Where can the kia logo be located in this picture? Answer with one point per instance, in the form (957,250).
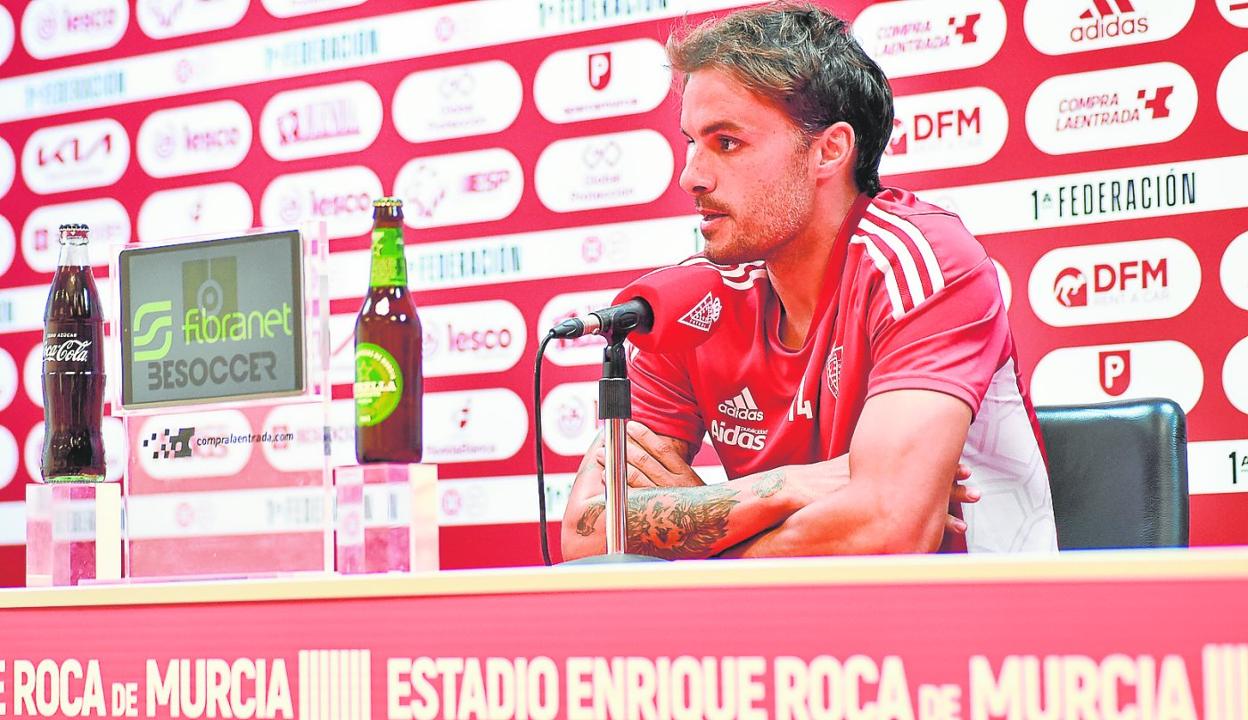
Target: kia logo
(74,149)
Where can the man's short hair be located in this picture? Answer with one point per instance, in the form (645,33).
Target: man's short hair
(803,58)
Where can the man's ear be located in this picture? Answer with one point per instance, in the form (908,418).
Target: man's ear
(835,150)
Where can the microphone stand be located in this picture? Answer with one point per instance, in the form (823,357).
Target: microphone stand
(615,407)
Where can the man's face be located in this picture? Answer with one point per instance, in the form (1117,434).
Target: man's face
(748,169)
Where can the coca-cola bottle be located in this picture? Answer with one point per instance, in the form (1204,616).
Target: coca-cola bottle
(389,385)
(73,367)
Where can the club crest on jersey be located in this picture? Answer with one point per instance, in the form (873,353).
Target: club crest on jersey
(703,315)
(832,371)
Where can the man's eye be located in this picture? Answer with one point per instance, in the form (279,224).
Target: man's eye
(728,144)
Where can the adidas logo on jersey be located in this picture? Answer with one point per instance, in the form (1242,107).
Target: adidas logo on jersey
(742,437)
(742,407)
(703,315)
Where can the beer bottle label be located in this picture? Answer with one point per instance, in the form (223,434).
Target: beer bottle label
(378,384)
(72,346)
(389,266)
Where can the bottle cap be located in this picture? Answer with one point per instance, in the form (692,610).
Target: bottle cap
(388,202)
(74,231)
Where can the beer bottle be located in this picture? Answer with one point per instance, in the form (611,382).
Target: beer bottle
(389,384)
(73,367)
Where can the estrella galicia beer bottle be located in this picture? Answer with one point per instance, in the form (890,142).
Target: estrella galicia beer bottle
(73,367)
(389,384)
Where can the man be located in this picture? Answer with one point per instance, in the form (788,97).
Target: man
(863,350)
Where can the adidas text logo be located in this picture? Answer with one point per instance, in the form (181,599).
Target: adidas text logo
(742,407)
(703,315)
(1108,19)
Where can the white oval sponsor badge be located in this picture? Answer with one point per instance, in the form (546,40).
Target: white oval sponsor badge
(599,81)
(8,245)
(1126,371)
(917,37)
(1232,97)
(342,197)
(1235,376)
(458,101)
(8,167)
(1122,107)
(291,8)
(196,210)
(81,155)
(1059,27)
(945,129)
(55,28)
(7,36)
(472,338)
(1233,271)
(9,379)
(160,19)
(194,445)
(473,425)
(469,187)
(585,350)
(107,218)
(9,457)
(320,121)
(1114,282)
(194,139)
(1235,12)
(570,418)
(613,170)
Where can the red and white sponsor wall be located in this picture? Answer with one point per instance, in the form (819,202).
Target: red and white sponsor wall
(1097,147)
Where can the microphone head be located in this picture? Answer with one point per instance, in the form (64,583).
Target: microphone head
(687,300)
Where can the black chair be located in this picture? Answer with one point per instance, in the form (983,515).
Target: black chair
(1118,472)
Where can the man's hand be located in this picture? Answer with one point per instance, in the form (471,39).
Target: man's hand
(654,460)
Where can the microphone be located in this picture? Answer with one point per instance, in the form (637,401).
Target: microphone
(671,309)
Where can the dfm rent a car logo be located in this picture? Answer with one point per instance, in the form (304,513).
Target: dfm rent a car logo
(212,317)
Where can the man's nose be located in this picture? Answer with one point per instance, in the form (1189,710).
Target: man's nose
(695,178)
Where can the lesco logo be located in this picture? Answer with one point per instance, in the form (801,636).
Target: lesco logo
(472,338)
(291,8)
(1099,373)
(54,28)
(188,445)
(194,139)
(1234,271)
(1235,376)
(197,210)
(1123,107)
(1007,288)
(8,167)
(474,425)
(1114,282)
(598,171)
(318,121)
(570,417)
(947,129)
(1058,27)
(8,457)
(601,81)
(77,156)
(107,218)
(8,245)
(469,187)
(1232,100)
(916,37)
(161,19)
(459,101)
(342,197)
(1235,12)
(6,34)
(585,350)
(8,379)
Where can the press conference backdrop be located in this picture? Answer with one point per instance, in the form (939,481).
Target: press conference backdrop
(1097,147)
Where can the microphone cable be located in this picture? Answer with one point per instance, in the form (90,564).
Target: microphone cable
(537,423)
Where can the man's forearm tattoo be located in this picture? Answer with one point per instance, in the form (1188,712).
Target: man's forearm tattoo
(672,523)
(768,483)
(589,518)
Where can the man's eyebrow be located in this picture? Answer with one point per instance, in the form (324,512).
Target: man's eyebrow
(720,126)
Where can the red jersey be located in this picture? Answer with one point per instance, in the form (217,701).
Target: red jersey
(911,301)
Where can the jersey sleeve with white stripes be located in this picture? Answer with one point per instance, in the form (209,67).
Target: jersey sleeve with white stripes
(935,316)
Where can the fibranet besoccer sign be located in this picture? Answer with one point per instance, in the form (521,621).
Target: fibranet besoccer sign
(213,320)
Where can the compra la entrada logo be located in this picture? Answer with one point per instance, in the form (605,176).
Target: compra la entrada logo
(211,316)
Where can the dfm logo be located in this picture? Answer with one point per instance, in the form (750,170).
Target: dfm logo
(1114,371)
(1071,286)
(168,445)
(599,70)
(952,123)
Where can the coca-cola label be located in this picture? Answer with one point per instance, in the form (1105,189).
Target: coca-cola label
(72,347)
